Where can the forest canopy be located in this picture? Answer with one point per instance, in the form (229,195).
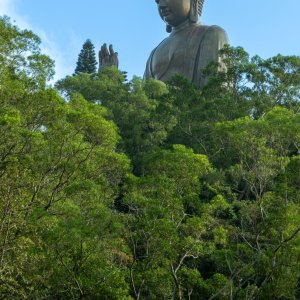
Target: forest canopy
(117,189)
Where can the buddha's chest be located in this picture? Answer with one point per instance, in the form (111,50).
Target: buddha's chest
(170,58)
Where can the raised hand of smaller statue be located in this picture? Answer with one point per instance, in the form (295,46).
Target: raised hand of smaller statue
(107,57)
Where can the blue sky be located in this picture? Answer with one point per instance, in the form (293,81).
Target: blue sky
(263,27)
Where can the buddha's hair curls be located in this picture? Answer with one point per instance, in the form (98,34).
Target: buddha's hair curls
(196,10)
(200,6)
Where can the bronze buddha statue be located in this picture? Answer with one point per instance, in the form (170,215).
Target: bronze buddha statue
(189,48)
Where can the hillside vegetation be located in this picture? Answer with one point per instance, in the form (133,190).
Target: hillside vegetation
(122,190)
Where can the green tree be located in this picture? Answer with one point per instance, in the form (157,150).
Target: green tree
(86,62)
(259,158)
(133,107)
(60,237)
(165,239)
(106,87)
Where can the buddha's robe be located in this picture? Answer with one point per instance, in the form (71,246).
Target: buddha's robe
(187,51)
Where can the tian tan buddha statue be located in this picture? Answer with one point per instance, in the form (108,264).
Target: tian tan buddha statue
(189,48)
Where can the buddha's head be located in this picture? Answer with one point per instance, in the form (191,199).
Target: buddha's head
(175,12)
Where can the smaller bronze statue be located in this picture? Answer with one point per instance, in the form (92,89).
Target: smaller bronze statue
(189,48)
(107,57)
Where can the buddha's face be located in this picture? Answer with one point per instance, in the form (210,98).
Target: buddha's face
(174,12)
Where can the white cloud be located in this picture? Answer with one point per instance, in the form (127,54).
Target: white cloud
(6,6)
(48,45)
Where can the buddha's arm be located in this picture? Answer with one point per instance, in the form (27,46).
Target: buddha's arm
(148,72)
(214,40)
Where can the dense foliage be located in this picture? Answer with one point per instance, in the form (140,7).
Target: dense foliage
(142,190)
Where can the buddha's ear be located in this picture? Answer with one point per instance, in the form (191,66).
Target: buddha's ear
(168,28)
(194,16)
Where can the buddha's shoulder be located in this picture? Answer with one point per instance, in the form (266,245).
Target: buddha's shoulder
(211,31)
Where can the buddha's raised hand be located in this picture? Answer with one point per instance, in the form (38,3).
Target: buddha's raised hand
(107,57)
